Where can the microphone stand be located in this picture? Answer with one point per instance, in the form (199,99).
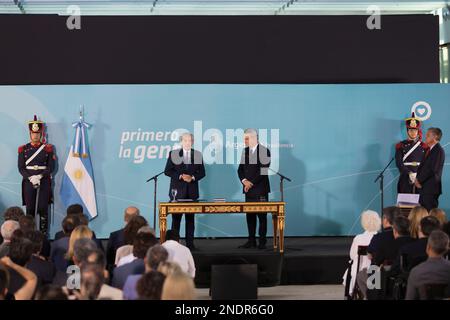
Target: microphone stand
(381,178)
(282,178)
(155,179)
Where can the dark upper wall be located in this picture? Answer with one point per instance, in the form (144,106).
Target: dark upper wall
(39,49)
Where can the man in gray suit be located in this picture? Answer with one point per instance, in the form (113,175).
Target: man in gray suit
(436,270)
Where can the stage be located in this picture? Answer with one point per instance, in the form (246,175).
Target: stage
(306,260)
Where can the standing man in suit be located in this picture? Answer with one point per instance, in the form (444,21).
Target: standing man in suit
(429,173)
(185,169)
(253,173)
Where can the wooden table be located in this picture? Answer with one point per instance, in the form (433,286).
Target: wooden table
(276,208)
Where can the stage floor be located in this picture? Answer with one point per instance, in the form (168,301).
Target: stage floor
(306,260)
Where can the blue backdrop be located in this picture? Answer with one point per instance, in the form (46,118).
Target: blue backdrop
(333,140)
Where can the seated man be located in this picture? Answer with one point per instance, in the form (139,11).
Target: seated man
(179,253)
(7,229)
(435,270)
(386,236)
(416,252)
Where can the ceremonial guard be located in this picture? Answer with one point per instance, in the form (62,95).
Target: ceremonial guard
(408,155)
(36,163)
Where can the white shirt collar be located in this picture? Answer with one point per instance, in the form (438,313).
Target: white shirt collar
(254,148)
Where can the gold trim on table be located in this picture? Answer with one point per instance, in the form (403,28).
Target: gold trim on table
(273,207)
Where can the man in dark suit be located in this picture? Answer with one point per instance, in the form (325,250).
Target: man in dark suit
(253,173)
(416,252)
(429,173)
(116,238)
(185,169)
(386,236)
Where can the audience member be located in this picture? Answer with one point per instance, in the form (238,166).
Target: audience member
(178,286)
(371,223)
(26,291)
(440,215)
(168,268)
(149,286)
(13,213)
(179,253)
(59,247)
(74,211)
(7,229)
(415,216)
(129,234)
(435,270)
(142,242)
(107,292)
(80,232)
(116,238)
(415,252)
(20,253)
(44,270)
(156,255)
(130,257)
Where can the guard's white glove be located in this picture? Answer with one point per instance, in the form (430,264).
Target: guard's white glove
(412,177)
(35,180)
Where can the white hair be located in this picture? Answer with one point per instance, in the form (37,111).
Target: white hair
(370,221)
(187,134)
(8,228)
(251,131)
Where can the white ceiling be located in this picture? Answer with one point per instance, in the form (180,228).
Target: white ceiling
(220,7)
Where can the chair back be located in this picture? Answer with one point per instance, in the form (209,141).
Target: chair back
(434,291)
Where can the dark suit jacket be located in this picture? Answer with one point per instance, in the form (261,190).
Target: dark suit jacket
(115,241)
(414,252)
(175,167)
(58,252)
(121,273)
(254,168)
(388,251)
(430,171)
(44,270)
(385,237)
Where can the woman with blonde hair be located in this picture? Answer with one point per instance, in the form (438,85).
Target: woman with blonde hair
(169,268)
(440,215)
(371,223)
(178,286)
(414,217)
(79,232)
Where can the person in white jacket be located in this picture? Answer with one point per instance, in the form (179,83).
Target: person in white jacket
(179,253)
(371,223)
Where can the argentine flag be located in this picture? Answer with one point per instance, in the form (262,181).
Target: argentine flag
(78,181)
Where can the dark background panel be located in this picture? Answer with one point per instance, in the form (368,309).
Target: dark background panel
(39,49)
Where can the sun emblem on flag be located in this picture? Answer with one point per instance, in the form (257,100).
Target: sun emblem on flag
(78,174)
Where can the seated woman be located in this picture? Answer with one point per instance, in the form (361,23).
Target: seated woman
(371,223)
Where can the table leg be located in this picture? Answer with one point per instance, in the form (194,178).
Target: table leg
(275,231)
(281,226)
(162,224)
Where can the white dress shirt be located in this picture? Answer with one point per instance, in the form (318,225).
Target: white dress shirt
(126,259)
(181,255)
